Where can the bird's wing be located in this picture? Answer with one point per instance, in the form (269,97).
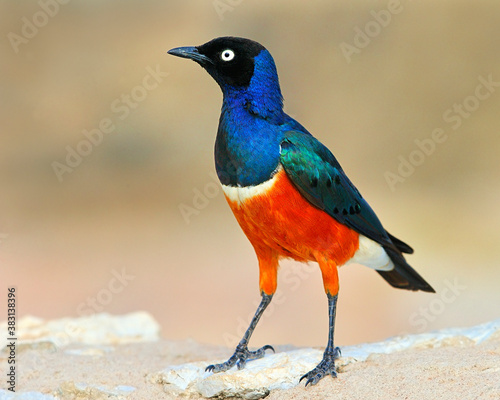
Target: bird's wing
(320,179)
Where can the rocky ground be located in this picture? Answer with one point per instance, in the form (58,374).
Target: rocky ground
(124,357)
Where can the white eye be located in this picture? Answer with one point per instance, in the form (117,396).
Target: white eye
(227,55)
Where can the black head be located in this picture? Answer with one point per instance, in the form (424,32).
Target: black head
(230,60)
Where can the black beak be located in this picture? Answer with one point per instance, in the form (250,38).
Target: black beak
(192,53)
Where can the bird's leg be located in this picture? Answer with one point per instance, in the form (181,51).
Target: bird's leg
(327,365)
(242,354)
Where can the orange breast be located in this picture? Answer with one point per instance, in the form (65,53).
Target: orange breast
(282,219)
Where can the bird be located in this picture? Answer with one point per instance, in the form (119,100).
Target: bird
(288,192)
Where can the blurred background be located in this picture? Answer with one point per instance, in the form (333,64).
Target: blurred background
(108,201)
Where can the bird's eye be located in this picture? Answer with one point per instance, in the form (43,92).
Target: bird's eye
(227,55)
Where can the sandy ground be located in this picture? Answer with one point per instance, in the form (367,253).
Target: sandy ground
(456,369)
(447,373)
(62,243)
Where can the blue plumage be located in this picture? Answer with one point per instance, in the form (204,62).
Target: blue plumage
(246,152)
(252,126)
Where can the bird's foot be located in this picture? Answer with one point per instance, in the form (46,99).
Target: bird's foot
(325,367)
(239,358)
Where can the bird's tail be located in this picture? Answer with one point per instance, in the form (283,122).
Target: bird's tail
(403,276)
(401,246)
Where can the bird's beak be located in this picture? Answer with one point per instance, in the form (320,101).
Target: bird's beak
(192,53)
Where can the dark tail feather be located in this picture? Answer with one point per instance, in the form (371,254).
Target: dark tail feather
(403,276)
(401,246)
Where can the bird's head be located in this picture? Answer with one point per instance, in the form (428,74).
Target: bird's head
(240,66)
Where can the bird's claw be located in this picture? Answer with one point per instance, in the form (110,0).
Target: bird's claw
(239,358)
(324,368)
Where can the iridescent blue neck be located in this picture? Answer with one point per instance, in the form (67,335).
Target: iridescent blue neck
(262,97)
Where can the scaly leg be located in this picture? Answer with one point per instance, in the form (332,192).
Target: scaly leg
(327,365)
(242,354)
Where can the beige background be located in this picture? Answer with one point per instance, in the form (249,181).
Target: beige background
(62,242)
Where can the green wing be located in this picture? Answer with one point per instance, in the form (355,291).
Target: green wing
(320,179)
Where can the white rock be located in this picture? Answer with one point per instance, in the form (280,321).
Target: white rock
(6,395)
(283,370)
(95,351)
(103,329)
(475,334)
(180,376)
(83,390)
(275,371)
